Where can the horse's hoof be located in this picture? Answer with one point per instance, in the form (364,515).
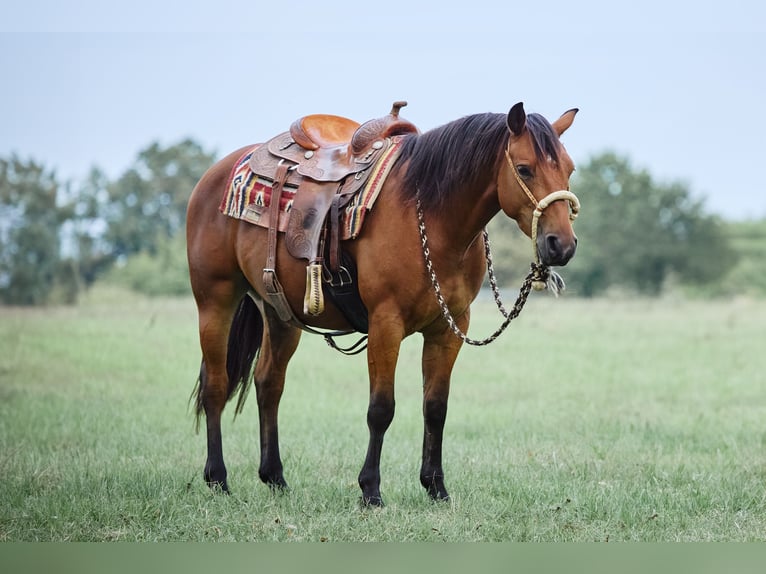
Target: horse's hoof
(374,501)
(439,495)
(278,487)
(218,486)
(273,478)
(437,491)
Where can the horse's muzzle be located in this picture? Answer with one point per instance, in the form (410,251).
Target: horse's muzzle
(555,252)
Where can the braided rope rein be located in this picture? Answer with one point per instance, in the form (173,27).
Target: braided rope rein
(538,272)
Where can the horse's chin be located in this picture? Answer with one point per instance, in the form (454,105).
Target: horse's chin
(557,256)
(555,261)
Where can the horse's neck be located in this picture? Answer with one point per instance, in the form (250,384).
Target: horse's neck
(464,218)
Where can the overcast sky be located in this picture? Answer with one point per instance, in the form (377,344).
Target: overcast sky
(677,87)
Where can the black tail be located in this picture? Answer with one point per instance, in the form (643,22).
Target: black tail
(245,338)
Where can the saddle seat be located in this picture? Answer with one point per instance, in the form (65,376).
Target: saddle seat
(322,131)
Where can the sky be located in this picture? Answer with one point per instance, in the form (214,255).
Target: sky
(677,87)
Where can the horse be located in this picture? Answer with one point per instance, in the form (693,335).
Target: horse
(455,178)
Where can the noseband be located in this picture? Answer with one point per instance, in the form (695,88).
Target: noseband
(539,282)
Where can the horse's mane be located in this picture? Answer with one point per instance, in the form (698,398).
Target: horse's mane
(462,153)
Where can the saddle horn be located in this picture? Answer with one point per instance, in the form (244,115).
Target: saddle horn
(396,107)
(381,128)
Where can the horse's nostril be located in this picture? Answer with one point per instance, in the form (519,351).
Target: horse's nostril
(554,246)
(556,252)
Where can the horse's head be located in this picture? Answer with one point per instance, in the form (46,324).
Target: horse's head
(534,183)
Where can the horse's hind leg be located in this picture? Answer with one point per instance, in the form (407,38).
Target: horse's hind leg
(439,355)
(279,343)
(216,310)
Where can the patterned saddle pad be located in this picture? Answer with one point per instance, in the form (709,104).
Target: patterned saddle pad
(247,196)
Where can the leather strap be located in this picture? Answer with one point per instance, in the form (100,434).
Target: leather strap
(334,231)
(276,196)
(273,288)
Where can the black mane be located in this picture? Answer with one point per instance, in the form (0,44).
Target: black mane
(464,153)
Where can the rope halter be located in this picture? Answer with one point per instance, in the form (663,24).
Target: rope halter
(543,274)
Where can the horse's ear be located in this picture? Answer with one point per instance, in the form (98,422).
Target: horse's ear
(517,119)
(562,124)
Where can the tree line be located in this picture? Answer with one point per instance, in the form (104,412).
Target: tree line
(59,238)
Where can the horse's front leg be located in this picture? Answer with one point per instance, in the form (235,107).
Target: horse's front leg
(382,354)
(439,354)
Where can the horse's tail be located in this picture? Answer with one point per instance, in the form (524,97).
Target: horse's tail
(245,336)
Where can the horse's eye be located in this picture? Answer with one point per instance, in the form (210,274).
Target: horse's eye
(524,171)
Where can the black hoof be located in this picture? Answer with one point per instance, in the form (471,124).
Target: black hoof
(374,501)
(439,495)
(278,487)
(435,488)
(272,476)
(218,486)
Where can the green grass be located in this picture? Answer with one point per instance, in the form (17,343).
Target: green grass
(587,421)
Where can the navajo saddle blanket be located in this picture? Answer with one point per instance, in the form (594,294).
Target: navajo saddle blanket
(248,195)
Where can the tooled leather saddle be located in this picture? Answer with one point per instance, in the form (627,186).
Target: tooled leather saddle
(328,159)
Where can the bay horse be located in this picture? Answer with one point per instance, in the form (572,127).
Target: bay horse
(459,176)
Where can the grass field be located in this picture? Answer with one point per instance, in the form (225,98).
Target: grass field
(587,421)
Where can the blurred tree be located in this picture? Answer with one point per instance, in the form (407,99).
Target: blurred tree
(83,232)
(748,276)
(147,204)
(637,234)
(164,274)
(30,222)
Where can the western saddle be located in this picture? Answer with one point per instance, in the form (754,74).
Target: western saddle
(328,158)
